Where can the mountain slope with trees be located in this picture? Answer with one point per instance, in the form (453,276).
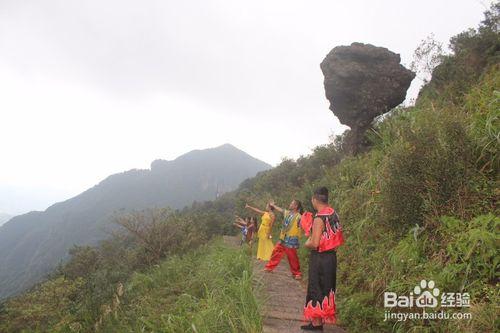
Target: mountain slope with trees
(33,244)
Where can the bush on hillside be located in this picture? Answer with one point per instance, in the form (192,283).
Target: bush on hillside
(473,51)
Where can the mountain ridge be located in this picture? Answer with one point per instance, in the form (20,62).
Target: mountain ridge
(34,243)
(4,218)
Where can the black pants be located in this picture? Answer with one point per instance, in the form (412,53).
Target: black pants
(322,276)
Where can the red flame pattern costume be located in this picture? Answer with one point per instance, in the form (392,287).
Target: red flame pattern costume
(320,299)
(326,310)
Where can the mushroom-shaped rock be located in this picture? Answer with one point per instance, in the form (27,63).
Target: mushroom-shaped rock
(363,81)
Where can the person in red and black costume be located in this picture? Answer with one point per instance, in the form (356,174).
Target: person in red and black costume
(325,237)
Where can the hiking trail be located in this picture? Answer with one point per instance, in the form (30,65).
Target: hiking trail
(283,297)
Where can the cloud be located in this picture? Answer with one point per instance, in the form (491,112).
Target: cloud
(94,87)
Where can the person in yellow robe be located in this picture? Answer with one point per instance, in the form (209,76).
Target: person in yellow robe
(265,245)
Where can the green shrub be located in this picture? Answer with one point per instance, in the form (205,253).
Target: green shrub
(483,104)
(426,167)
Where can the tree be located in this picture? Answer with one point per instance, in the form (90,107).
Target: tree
(427,55)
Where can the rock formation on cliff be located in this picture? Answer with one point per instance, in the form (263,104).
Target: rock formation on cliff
(363,81)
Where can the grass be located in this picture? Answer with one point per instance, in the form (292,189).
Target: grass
(207,290)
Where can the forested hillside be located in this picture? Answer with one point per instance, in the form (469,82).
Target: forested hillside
(418,203)
(33,244)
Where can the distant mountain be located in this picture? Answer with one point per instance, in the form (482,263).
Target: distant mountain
(4,218)
(31,245)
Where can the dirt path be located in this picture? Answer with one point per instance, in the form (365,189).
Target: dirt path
(284,299)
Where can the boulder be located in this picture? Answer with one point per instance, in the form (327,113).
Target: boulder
(363,81)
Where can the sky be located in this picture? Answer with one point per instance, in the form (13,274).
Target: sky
(91,88)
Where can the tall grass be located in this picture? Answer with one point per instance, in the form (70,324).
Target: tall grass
(207,290)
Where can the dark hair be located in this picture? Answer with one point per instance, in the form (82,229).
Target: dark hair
(321,194)
(299,206)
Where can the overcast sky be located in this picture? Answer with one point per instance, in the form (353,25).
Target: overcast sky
(90,88)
